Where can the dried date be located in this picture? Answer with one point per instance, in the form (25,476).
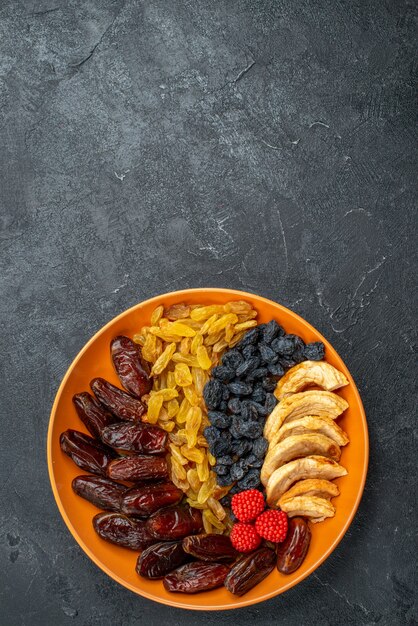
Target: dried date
(291,553)
(175,522)
(161,559)
(104,493)
(131,368)
(122,530)
(135,437)
(120,403)
(86,452)
(143,501)
(92,414)
(210,547)
(250,570)
(138,468)
(196,577)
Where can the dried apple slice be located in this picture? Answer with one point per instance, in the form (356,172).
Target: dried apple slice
(311,487)
(312,424)
(316,509)
(321,403)
(295,447)
(308,467)
(317,373)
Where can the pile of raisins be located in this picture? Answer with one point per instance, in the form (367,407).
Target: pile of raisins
(239,397)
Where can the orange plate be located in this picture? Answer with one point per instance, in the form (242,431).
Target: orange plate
(119,563)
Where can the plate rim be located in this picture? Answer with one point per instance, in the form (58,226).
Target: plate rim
(178,603)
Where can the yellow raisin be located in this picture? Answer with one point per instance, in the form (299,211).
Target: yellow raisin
(245,325)
(177,311)
(156,315)
(172,408)
(168,394)
(163,360)
(176,454)
(204,312)
(196,342)
(182,375)
(185,345)
(203,358)
(154,406)
(168,426)
(222,322)
(192,454)
(191,395)
(206,326)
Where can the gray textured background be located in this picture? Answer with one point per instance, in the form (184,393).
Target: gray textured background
(153,145)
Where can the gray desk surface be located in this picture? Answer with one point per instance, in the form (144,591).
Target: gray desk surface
(155,145)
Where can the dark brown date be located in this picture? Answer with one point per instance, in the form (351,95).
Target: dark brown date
(131,368)
(122,530)
(291,553)
(135,436)
(143,501)
(86,452)
(210,547)
(196,577)
(138,468)
(92,414)
(104,493)
(250,570)
(160,559)
(175,522)
(118,402)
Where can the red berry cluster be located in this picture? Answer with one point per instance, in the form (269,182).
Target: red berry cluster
(248,506)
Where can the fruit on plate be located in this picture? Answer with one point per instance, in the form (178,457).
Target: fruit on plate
(135,437)
(104,493)
(196,577)
(319,373)
(247,505)
(308,467)
(244,537)
(250,570)
(144,501)
(297,446)
(314,508)
(131,368)
(86,452)
(120,403)
(272,525)
(311,487)
(301,404)
(291,553)
(122,530)
(210,547)
(175,522)
(160,559)
(137,468)
(93,415)
(313,424)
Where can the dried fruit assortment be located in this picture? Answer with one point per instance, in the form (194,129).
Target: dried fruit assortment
(214,455)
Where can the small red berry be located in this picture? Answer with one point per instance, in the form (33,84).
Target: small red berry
(246,505)
(244,537)
(272,525)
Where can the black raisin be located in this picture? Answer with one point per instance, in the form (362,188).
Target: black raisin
(212,434)
(270,402)
(213,393)
(241,447)
(221,470)
(237,472)
(238,388)
(226,393)
(248,366)
(299,344)
(220,447)
(248,411)
(224,481)
(252,429)
(250,481)
(261,410)
(258,394)
(271,331)
(267,354)
(226,501)
(250,337)
(235,433)
(225,460)
(253,461)
(249,351)
(260,372)
(259,447)
(314,351)
(277,369)
(223,373)
(234,405)
(218,419)
(284,346)
(298,356)
(269,383)
(286,362)
(234,489)
(232,359)
(223,406)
